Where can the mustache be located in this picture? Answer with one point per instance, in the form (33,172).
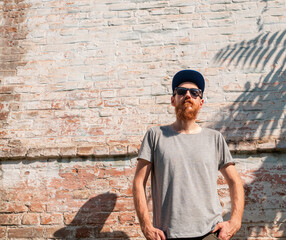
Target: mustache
(188,101)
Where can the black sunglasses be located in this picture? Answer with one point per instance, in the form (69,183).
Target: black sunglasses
(195,92)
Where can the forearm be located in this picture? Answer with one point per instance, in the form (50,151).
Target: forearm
(237,200)
(141,207)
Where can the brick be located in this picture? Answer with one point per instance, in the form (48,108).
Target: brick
(95,103)
(69,217)
(80,194)
(51,219)
(58,232)
(3,232)
(106,112)
(99,185)
(4,115)
(30,219)
(85,151)
(133,232)
(187,9)
(125,7)
(266,145)
(124,204)
(101,150)
(10,219)
(112,103)
(68,151)
(12,207)
(50,152)
(163,99)
(246,146)
(150,5)
(133,149)
(6,90)
(108,93)
(37,207)
(118,149)
(127,218)
(26,232)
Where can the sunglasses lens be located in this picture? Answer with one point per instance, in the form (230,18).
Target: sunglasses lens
(195,92)
(182,91)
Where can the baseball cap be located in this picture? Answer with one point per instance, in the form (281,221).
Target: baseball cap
(188,75)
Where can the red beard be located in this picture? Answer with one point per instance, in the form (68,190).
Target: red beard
(184,113)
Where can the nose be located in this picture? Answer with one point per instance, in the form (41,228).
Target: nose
(188,94)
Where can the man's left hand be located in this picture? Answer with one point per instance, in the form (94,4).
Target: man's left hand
(227,229)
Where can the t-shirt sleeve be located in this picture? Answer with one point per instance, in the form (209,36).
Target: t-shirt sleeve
(146,151)
(225,157)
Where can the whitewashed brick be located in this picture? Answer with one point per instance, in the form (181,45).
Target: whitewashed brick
(117,58)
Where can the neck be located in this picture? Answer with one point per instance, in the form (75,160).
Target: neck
(188,126)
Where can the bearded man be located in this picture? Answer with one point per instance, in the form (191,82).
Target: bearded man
(184,160)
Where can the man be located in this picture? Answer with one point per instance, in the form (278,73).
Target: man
(184,160)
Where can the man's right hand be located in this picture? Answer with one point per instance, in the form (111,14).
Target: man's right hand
(152,233)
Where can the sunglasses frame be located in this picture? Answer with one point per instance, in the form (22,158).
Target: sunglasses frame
(190,90)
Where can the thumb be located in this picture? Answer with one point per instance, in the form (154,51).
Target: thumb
(217,227)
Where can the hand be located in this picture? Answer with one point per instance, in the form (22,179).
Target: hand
(152,233)
(227,229)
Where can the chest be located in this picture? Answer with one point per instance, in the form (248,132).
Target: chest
(186,153)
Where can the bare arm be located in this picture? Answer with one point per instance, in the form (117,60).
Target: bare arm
(229,228)
(236,192)
(139,185)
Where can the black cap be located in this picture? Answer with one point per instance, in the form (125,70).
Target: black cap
(188,76)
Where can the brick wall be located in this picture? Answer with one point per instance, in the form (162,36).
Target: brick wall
(81,81)
(89,77)
(91,198)
(68,199)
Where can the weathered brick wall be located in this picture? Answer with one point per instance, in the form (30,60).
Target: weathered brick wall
(91,198)
(81,81)
(89,77)
(67,199)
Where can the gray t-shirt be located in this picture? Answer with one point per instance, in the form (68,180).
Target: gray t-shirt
(184,179)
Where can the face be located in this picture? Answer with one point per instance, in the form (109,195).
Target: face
(187,107)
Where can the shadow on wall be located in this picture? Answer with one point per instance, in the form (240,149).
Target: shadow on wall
(259,113)
(90,220)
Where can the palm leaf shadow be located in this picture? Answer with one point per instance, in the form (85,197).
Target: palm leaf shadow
(258,114)
(90,220)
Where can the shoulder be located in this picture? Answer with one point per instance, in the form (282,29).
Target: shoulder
(158,129)
(157,132)
(212,132)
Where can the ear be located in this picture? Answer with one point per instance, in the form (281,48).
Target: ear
(202,103)
(173,101)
